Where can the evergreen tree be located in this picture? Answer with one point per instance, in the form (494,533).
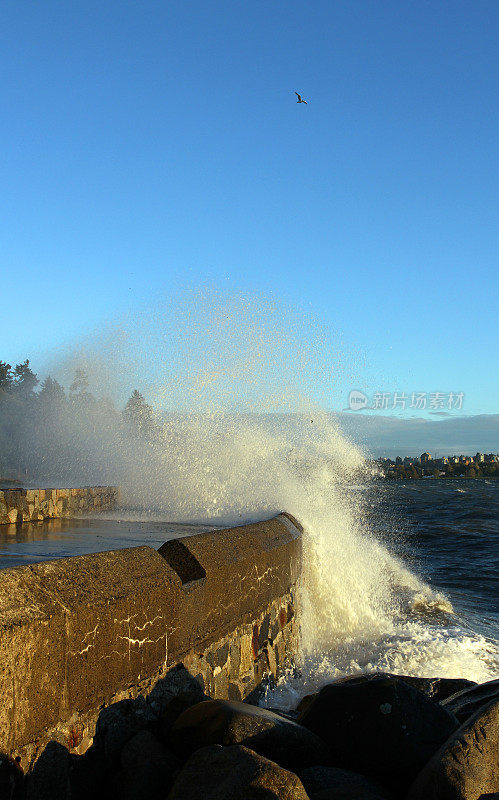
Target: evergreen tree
(78,394)
(25,379)
(51,392)
(138,414)
(5,376)
(80,382)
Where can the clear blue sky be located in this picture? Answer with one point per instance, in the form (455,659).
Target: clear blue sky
(148,145)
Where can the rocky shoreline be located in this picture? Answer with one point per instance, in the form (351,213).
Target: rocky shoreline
(370,737)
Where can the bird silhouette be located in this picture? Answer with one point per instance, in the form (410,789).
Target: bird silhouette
(300,100)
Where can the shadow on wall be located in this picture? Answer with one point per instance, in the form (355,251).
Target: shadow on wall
(11,778)
(131,755)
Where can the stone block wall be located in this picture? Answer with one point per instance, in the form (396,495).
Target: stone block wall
(234,666)
(35,505)
(79,634)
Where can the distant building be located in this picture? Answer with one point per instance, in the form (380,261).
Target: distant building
(480,458)
(425,458)
(398,460)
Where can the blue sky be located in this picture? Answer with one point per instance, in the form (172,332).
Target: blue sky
(156,145)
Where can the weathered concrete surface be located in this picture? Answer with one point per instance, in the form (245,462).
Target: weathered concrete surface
(230,573)
(79,633)
(35,505)
(76,630)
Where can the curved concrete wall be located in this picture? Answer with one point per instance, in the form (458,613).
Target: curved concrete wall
(78,633)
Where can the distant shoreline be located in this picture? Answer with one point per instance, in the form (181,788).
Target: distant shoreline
(392,477)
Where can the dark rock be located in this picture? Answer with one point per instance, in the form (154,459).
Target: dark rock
(339,784)
(89,775)
(210,659)
(466,767)
(144,748)
(221,656)
(235,692)
(147,770)
(177,705)
(178,681)
(289,714)
(234,773)
(11,778)
(379,726)
(263,634)
(145,783)
(261,668)
(117,724)
(435,688)
(274,629)
(229,723)
(49,779)
(305,702)
(465,703)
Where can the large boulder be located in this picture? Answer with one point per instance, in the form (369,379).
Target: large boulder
(117,724)
(379,726)
(332,783)
(89,777)
(148,769)
(228,723)
(234,773)
(466,767)
(436,688)
(465,703)
(174,693)
(174,708)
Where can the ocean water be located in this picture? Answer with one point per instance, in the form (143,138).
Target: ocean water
(451,538)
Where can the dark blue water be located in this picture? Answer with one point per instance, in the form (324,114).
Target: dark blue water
(448,532)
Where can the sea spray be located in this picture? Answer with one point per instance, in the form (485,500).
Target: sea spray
(238,433)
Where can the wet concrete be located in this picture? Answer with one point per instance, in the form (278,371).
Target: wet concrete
(30,543)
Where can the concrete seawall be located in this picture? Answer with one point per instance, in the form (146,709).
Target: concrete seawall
(36,505)
(78,634)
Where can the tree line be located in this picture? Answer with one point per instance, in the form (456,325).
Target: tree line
(48,430)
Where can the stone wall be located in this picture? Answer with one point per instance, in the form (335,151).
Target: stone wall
(35,505)
(79,634)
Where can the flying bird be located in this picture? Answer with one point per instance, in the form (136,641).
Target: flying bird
(300,100)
